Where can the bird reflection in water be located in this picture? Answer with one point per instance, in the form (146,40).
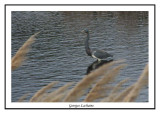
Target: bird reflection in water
(96,64)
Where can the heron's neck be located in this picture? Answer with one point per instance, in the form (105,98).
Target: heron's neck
(88,50)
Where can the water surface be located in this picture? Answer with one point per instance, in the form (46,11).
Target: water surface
(59,54)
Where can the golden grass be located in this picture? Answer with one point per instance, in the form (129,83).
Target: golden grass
(113,94)
(143,80)
(98,83)
(39,94)
(85,83)
(131,92)
(108,77)
(58,94)
(19,57)
(21,99)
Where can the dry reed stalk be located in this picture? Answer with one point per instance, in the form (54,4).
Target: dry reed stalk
(59,92)
(118,86)
(143,80)
(99,93)
(109,98)
(41,92)
(80,88)
(108,77)
(122,95)
(41,97)
(21,99)
(113,94)
(19,57)
(59,97)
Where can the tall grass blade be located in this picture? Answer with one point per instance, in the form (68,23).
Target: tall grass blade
(114,92)
(41,92)
(59,92)
(143,80)
(108,77)
(19,57)
(85,83)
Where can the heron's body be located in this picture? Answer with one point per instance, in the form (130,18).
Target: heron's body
(102,55)
(98,54)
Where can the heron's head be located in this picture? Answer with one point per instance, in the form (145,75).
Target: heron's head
(85,30)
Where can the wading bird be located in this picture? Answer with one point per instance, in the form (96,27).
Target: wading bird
(100,55)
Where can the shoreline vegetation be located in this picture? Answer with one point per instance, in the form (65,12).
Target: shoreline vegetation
(96,86)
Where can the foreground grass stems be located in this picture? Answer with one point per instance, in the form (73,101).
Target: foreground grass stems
(86,82)
(143,80)
(57,95)
(98,82)
(118,97)
(39,94)
(114,92)
(108,77)
(19,57)
(130,93)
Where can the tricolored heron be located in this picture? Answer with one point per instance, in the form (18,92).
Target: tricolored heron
(98,54)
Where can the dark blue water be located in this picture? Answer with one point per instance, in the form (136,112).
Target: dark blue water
(59,54)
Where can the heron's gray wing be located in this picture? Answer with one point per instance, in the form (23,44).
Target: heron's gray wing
(100,54)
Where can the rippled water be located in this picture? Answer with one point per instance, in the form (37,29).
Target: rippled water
(59,54)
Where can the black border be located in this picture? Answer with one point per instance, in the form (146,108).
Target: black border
(5,5)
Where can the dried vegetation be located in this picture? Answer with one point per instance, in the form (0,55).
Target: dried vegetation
(96,86)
